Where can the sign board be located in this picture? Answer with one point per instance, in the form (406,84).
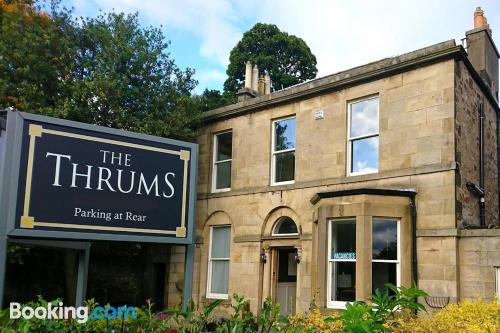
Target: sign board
(344,255)
(69,180)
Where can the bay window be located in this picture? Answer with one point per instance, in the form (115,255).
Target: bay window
(218,262)
(283,151)
(385,253)
(363,135)
(341,286)
(342,259)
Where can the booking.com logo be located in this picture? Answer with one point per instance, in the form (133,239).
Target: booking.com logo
(79,313)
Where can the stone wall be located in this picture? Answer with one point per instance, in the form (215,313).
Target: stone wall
(468,98)
(438,265)
(479,255)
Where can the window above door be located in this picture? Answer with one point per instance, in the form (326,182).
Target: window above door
(285,226)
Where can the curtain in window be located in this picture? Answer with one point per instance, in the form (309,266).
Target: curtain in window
(219,260)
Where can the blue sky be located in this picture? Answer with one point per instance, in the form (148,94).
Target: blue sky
(342,34)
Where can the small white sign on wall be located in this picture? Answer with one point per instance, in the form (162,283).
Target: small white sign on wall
(319,115)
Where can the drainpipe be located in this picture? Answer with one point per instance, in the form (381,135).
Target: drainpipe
(482,220)
(413,208)
(498,163)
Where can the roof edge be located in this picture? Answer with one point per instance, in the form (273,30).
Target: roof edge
(394,192)
(356,75)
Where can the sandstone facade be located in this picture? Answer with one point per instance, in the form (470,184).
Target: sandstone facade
(428,145)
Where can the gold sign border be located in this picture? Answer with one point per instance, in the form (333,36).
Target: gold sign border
(29,222)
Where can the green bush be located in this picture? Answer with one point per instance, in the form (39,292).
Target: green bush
(468,316)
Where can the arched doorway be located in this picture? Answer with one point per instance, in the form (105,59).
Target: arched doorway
(281,266)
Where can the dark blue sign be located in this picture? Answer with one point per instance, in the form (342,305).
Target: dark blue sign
(87,182)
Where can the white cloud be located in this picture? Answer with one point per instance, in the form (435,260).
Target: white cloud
(210,75)
(210,21)
(208,78)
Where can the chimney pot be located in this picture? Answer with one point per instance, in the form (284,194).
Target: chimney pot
(255,78)
(248,75)
(479,18)
(267,83)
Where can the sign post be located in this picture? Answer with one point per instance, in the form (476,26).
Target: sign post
(64,180)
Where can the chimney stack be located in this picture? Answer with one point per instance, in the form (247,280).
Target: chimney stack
(482,52)
(255,85)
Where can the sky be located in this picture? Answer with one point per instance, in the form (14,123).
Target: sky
(341,34)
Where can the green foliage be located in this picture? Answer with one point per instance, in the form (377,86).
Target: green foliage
(126,79)
(359,318)
(16,253)
(192,320)
(106,70)
(213,99)
(243,320)
(36,57)
(287,58)
(385,305)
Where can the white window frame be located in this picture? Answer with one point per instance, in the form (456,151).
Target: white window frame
(497,282)
(274,153)
(215,162)
(359,137)
(331,304)
(278,223)
(211,295)
(398,249)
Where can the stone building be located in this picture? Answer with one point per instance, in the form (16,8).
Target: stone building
(325,191)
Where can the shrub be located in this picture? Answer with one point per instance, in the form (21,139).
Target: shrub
(311,322)
(465,317)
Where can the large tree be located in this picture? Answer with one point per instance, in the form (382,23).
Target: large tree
(107,70)
(213,99)
(287,58)
(36,57)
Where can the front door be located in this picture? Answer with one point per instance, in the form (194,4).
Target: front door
(286,282)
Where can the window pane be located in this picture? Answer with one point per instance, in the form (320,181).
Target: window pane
(286,226)
(221,238)
(285,167)
(284,134)
(220,276)
(383,273)
(365,155)
(385,239)
(223,175)
(364,117)
(224,146)
(343,281)
(343,239)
